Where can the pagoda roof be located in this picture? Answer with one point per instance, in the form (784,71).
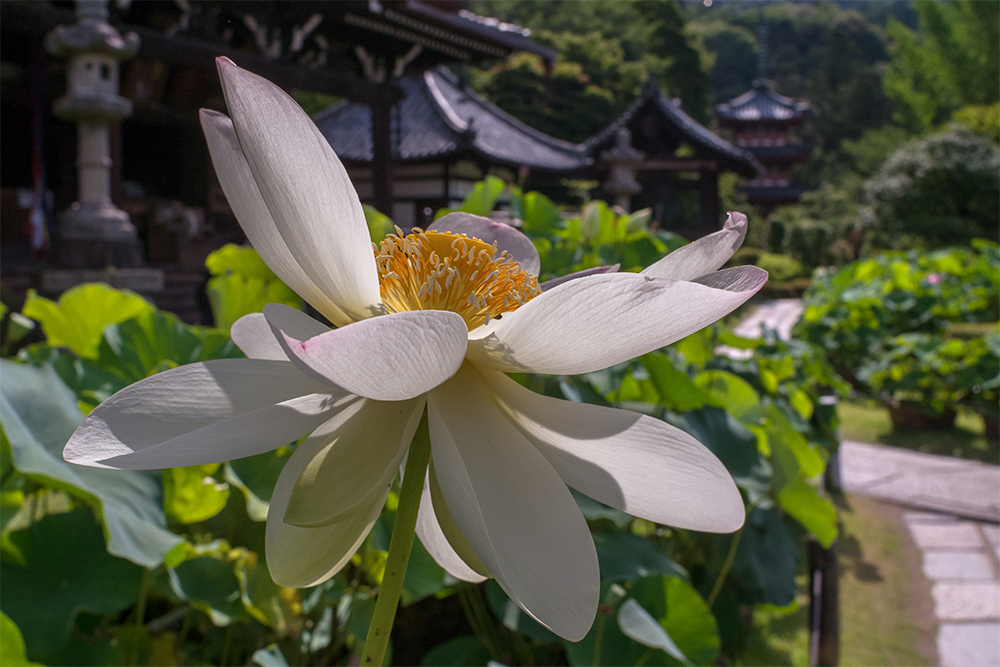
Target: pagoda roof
(676,122)
(761,103)
(439,118)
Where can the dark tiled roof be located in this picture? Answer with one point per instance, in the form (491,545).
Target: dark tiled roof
(438,118)
(761,103)
(730,157)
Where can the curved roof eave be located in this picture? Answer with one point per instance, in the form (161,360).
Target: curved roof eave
(731,157)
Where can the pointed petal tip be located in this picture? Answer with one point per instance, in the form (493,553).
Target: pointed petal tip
(735,219)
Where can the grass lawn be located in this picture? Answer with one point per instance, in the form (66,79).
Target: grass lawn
(886,611)
(867,421)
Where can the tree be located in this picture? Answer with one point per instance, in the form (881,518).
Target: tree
(590,85)
(606,49)
(942,188)
(953,60)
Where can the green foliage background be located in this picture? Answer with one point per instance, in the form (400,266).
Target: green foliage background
(158,568)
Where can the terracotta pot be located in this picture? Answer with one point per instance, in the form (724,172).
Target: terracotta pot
(992,423)
(911,417)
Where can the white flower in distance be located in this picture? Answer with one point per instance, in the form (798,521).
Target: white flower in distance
(432,320)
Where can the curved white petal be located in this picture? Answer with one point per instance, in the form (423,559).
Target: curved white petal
(438,545)
(597,270)
(349,457)
(392,357)
(513,508)
(306,189)
(248,205)
(629,461)
(520,247)
(703,255)
(595,322)
(203,413)
(300,557)
(252,334)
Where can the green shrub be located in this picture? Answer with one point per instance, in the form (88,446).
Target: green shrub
(942,189)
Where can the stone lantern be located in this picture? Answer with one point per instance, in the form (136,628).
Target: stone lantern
(93,233)
(622,160)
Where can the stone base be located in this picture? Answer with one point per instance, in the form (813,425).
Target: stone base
(147,282)
(95,236)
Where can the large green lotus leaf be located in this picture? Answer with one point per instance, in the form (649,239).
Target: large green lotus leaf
(539,215)
(137,646)
(39,414)
(625,557)
(483,197)
(191,494)
(792,451)
(677,391)
(733,394)
(511,615)
(270,656)
(91,383)
(66,570)
(605,644)
(683,614)
(276,607)
(593,510)
(78,319)
(242,260)
(211,585)
(379,224)
(639,625)
(735,445)
(255,476)
(459,651)
(234,295)
(765,559)
(801,501)
(698,348)
(12,652)
(157,341)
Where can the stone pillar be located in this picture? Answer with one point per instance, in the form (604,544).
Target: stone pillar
(93,233)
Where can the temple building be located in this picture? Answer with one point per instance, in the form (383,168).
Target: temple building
(680,157)
(766,125)
(105,172)
(445,138)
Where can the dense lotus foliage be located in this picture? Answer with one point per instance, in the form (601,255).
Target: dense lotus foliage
(916,328)
(167,567)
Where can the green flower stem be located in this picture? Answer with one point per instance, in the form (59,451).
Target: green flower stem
(399,547)
(726,566)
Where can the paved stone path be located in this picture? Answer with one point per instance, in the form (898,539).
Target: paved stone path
(955,521)
(780,314)
(955,525)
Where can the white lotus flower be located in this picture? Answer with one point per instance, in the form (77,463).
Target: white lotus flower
(411,333)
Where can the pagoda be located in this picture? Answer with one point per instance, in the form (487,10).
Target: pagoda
(766,125)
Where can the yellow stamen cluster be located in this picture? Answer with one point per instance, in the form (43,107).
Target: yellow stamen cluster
(446,271)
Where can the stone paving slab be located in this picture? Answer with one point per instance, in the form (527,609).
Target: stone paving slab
(942,565)
(780,314)
(965,601)
(969,644)
(939,483)
(946,535)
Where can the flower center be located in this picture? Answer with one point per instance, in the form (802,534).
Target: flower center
(446,271)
